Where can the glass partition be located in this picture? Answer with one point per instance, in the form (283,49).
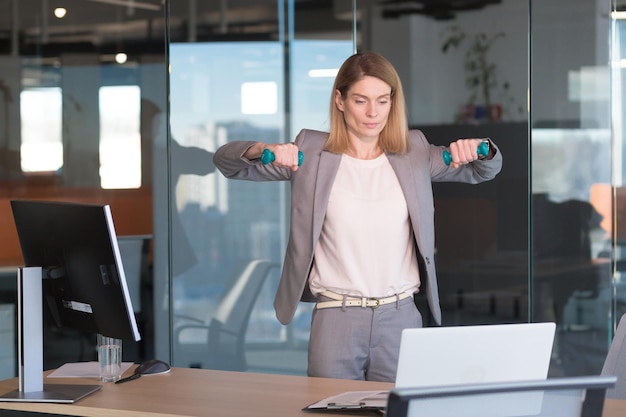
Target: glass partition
(225,88)
(571,178)
(228,237)
(463,80)
(124,103)
(74,127)
(222,91)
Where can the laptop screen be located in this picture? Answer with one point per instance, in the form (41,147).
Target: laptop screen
(556,397)
(453,355)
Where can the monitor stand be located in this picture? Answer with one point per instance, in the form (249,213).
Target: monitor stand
(30,348)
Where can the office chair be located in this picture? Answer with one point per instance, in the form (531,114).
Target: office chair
(226,332)
(615,362)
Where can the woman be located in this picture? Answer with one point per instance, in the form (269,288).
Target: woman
(361,238)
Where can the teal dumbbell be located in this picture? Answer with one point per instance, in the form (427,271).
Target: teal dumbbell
(483,150)
(267,157)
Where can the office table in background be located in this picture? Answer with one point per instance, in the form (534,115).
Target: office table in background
(199,393)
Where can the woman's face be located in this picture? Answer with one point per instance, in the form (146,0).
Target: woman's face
(366,107)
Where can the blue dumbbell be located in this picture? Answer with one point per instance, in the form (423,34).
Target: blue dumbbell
(483,150)
(267,157)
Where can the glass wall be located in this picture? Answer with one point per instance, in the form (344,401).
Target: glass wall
(572,158)
(528,246)
(124,103)
(80,83)
(463,81)
(228,237)
(614,223)
(230,88)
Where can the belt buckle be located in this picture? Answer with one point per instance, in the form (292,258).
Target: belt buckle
(375,306)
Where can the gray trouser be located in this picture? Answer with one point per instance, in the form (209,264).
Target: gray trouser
(359,342)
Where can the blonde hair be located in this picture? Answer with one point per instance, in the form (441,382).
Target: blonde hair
(394,136)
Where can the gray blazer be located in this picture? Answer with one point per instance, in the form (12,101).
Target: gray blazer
(310,189)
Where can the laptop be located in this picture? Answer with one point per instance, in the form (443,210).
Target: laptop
(438,357)
(434,356)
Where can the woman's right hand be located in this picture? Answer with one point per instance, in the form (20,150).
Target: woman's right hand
(285,154)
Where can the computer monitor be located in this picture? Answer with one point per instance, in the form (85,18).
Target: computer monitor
(84,285)
(73,265)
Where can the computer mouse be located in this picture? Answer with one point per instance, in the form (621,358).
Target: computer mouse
(149,367)
(152,366)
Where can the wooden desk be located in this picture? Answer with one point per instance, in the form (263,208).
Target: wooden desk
(614,408)
(197,392)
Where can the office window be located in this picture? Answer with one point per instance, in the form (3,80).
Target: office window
(120,141)
(41,148)
(120,151)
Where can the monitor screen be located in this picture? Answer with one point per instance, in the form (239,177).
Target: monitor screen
(84,285)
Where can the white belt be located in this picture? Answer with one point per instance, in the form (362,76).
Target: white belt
(338,300)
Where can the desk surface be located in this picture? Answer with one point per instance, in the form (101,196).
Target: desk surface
(196,392)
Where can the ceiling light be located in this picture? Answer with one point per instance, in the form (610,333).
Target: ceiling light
(60,12)
(121,57)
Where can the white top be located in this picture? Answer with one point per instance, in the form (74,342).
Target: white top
(366,247)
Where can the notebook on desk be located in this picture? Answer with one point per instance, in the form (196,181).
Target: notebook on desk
(453,355)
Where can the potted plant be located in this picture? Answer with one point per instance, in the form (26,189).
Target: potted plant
(480,73)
